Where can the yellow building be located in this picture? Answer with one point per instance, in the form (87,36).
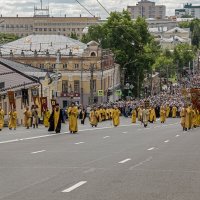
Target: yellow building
(43,23)
(85,70)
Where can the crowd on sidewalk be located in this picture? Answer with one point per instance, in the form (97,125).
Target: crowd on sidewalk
(169,103)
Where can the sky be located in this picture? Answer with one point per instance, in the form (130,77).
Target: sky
(72,8)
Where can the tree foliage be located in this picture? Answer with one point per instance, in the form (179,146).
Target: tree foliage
(131,42)
(5,38)
(73,36)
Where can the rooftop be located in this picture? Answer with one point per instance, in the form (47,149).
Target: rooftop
(43,45)
(13,79)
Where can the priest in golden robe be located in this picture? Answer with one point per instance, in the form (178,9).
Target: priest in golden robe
(174,111)
(55,119)
(162,114)
(93,117)
(134,116)
(1,118)
(115,116)
(152,115)
(12,119)
(183,117)
(46,115)
(73,118)
(27,117)
(167,110)
(188,118)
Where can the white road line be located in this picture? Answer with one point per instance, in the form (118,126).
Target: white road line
(106,137)
(124,161)
(166,141)
(9,141)
(141,163)
(150,149)
(50,135)
(80,143)
(124,132)
(38,152)
(74,186)
(177,135)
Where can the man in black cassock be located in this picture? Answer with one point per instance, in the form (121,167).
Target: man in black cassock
(55,119)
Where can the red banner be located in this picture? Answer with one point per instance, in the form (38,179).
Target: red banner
(11,98)
(44,104)
(195,97)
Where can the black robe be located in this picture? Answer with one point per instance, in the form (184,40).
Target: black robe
(51,122)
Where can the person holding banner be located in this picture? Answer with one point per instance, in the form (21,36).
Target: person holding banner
(73,115)
(12,119)
(27,117)
(55,119)
(1,118)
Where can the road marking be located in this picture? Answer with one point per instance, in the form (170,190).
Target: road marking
(106,137)
(125,132)
(150,149)
(141,163)
(50,135)
(124,161)
(166,141)
(9,141)
(75,186)
(80,143)
(177,135)
(38,152)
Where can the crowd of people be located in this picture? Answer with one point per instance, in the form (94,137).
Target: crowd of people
(171,102)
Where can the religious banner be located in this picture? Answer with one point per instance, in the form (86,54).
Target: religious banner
(53,103)
(43,101)
(35,94)
(25,96)
(11,98)
(195,97)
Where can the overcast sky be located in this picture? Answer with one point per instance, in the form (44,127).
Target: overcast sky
(72,8)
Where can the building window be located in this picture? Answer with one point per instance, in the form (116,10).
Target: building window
(65,86)
(65,66)
(76,66)
(77,86)
(94,85)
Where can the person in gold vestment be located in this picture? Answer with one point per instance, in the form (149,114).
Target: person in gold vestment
(73,115)
(55,119)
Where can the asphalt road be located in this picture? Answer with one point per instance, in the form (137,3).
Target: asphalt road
(125,163)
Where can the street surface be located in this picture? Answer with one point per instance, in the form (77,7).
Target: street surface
(129,162)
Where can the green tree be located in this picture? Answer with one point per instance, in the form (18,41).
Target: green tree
(5,38)
(131,43)
(184,55)
(73,36)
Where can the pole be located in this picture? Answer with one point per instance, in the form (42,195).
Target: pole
(101,76)
(81,82)
(138,85)
(92,84)
(114,84)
